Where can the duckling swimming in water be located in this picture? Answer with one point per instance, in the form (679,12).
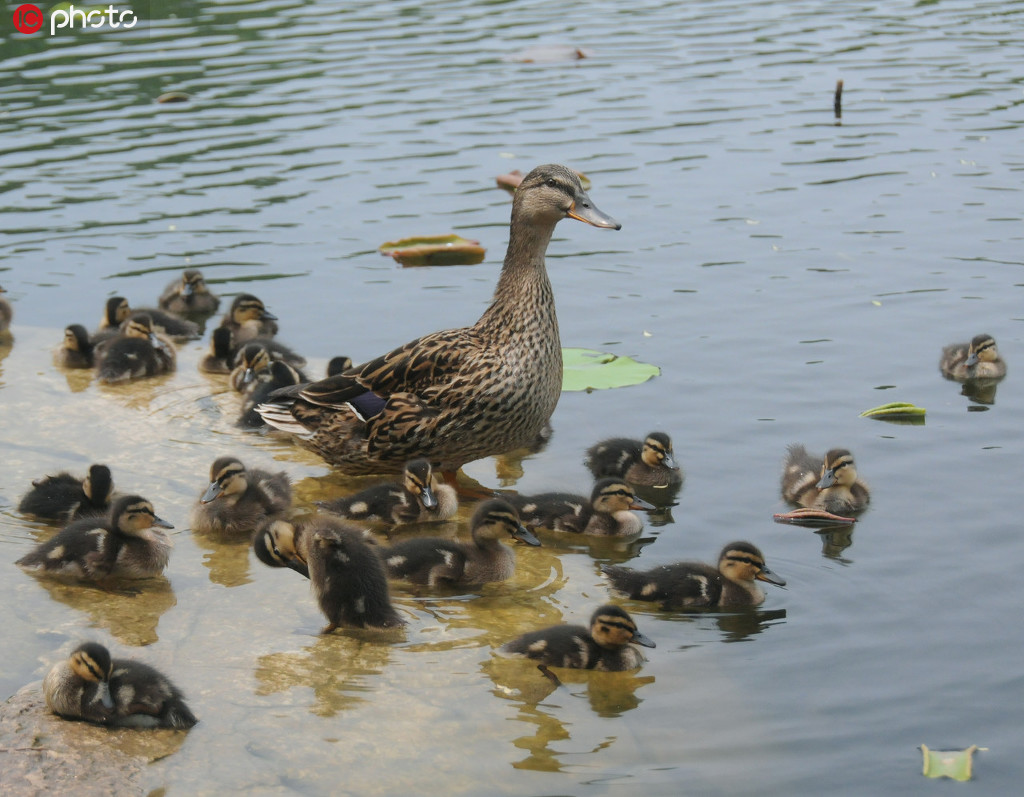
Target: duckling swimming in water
(92,686)
(254,359)
(76,350)
(607,644)
(978,359)
(830,484)
(606,513)
(220,358)
(435,560)
(136,353)
(65,497)
(421,497)
(283,543)
(648,462)
(117,312)
(124,544)
(686,585)
(248,318)
(338,365)
(189,296)
(347,578)
(275,376)
(237,500)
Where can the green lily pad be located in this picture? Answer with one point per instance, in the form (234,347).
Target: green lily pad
(587,369)
(955,764)
(898,411)
(435,250)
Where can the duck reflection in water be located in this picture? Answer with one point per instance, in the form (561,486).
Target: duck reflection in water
(341,670)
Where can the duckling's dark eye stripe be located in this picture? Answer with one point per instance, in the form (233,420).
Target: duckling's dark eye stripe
(619,624)
(746,560)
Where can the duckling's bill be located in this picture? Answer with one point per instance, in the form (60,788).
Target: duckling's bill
(523,534)
(767,575)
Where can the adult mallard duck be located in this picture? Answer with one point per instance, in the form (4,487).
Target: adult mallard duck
(92,686)
(733,582)
(978,359)
(831,484)
(459,394)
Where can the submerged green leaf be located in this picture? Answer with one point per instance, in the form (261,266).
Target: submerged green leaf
(899,411)
(955,764)
(587,369)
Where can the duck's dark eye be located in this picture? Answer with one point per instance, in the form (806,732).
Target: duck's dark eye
(551,182)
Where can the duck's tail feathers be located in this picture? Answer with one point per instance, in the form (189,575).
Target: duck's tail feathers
(279,415)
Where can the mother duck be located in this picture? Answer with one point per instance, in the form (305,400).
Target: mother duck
(459,394)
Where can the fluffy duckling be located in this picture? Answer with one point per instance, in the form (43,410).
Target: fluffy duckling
(338,365)
(607,644)
(92,686)
(276,376)
(830,484)
(606,513)
(139,351)
(648,462)
(219,360)
(248,318)
(435,560)
(6,313)
(65,497)
(124,544)
(189,296)
(281,543)
(978,359)
(421,497)
(117,312)
(76,350)
(237,500)
(347,578)
(253,361)
(695,584)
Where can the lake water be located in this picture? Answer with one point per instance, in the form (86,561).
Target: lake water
(784,272)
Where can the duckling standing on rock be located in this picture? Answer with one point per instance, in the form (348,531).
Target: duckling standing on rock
(65,497)
(831,484)
(136,353)
(606,514)
(347,578)
(248,318)
(648,462)
(978,359)
(460,394)
(91,686)
(189,296)
(76,350)
(124,544)
(421,497)
(605,645)
(239,500)
(435,560)
(686,585)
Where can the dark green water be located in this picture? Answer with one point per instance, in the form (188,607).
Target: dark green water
(785,273)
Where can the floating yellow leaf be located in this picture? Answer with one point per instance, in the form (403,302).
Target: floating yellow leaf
(955,764)
(898,411)
(435,250)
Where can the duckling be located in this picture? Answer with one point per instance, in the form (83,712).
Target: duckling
(421,497)
(238,500)
(76,350)
(6,313)
(347,578)
(248,318)
(189,296)
(648,462)
(65,497)
(978,359)
(92,686)
(435,560)
(117,312)
(281,543)
(605,514)
(275,376)
(219,360)
(138,352)
(338,365)
(124,544)
(695,584)
(831,484)
(605,645)
(253,361)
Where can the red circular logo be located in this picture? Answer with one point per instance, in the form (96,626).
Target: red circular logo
(28,18)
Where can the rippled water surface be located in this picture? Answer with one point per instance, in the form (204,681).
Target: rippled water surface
(785,273)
